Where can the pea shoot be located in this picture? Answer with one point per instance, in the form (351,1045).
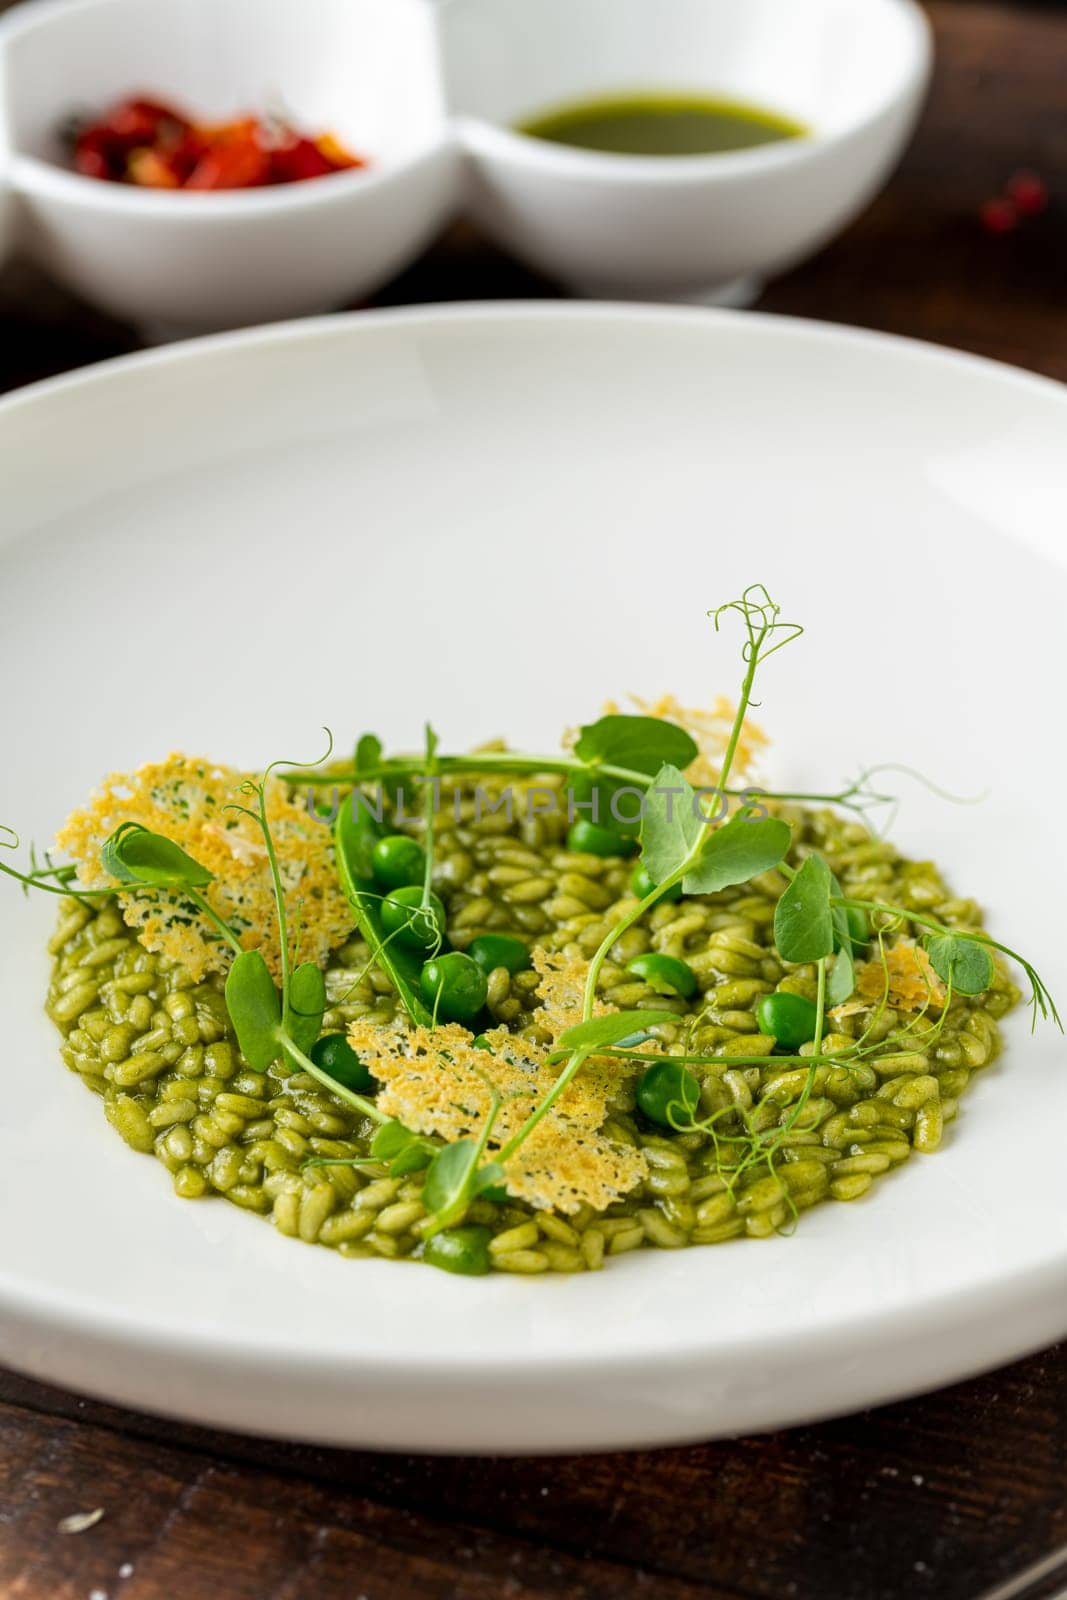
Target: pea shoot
(679,845)
(682,848)
(281,1022)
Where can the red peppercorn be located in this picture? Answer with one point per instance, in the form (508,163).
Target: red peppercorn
(1028,193)
(999,216)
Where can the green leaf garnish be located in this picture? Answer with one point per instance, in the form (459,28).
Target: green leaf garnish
(671,824)
(134,854)
(449,1181)
(803,920)
(740,849)
(608,802)
(50,878)
(643,744)
(368,753)
(963,963)
(307,1002)
(611,1028)
(390,1139)
(456,1175)
(490,1180)
(842,979)
(255,1008)
(850,934)
(401,1150)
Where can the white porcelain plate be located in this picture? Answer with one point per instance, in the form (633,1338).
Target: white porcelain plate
(497,518)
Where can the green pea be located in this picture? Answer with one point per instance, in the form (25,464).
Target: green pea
(666,974)
(492,950)
(454,987)
(398,861)
(642,886)
(464,1250)
(411,926)
(668,1094)
(592,840)
(335,1055)
(788,1019)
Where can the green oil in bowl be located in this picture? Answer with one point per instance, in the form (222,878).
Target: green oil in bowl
(652,124)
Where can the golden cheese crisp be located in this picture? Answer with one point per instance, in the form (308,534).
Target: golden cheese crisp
(191,800)
(435,1081)
(562,990)
(911,980)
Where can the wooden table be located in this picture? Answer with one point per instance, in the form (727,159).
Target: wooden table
(946,1496)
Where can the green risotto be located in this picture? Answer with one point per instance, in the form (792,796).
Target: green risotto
(162,1053)
(516,1011)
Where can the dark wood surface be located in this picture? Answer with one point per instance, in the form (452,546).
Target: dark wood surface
(946,1496)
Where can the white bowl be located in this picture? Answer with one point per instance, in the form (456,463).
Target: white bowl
(426,90)
(496,517)
(364,69)
(852,71)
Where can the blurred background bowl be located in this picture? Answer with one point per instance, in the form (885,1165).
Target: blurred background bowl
(854,72)
(431,94)
(365,70)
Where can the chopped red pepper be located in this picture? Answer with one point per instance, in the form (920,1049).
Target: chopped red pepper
(299,159)
(335,152)
(231,164)
(91,156)
(142,122)
(150,144)
(151,170)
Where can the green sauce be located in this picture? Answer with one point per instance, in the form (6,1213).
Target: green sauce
(661,125)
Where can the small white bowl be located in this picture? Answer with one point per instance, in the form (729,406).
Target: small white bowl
(366,70)
(430,93)
(711,227)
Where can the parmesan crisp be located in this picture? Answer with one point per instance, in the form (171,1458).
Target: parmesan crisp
(189,799)
(912,981)
(435,1081)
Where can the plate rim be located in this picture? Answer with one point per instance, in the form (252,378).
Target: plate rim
(1028,1284)
(292,330)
